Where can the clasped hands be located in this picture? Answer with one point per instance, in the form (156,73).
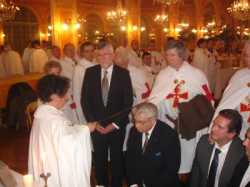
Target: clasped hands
(103,130)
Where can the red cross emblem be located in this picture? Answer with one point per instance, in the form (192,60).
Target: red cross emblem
(176,95)
(147,93)
(245,108)
(208,94)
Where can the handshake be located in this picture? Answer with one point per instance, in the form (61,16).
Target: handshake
(96,126)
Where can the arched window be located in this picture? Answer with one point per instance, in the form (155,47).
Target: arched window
(20,31)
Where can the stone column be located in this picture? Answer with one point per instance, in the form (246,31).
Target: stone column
(63,21)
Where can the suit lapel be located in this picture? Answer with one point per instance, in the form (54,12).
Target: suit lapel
(112,84)
(207,156)
(230,161)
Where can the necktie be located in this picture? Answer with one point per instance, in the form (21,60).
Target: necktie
(105,87)
(213,169)
(145,142)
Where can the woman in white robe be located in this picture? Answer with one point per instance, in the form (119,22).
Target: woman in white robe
(56,145)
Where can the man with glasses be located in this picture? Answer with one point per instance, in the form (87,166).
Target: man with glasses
(153,150)
(107,97)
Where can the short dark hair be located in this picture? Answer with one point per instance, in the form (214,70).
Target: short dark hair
(85,44)
(179,46)
(235,120)
(52,84)
(102,43)
(34,43)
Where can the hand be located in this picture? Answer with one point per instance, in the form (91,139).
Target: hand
(109,128)
(92,126)
(100,129)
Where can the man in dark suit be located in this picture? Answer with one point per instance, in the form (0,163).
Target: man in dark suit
(106,91)
(153,151)
(241,176)
(218,154)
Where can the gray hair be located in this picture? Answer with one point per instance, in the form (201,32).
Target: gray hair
(179,46)
(147,109)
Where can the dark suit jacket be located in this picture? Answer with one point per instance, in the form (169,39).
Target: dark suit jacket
(201,162)
(159,164)
(239,173)
(120,96)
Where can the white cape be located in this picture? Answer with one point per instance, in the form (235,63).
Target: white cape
(237,91)
(191,82)
(38,59)
(12,62)
(58,147)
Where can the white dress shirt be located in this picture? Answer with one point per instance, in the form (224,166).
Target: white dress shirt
(109,75)
(222,156)
(149,134)
(246,178)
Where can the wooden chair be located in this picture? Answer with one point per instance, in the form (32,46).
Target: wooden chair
(30,110)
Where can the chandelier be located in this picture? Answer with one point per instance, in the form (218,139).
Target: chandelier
(117,16)
(7,10)
(240,9)
(166,2)
(161,18)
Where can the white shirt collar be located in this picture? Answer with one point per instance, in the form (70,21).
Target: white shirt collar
(224,148)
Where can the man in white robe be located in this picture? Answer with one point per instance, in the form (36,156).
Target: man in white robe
(201,60)
(86,52)
(177,83)
(26,56)
(57,146)
(68,66)
(38,58)
(158,61)
(12,61)
(68,62)
(237,94)
(55,54)
(132,52)
(213,65)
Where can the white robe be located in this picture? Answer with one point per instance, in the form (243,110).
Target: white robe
(12,63)
(58,147)
(158,62)
(26,58)
(213,69)
(235,94)
(68,66)
(133,58)
(77,82)
(191,81)
(38,59)
(201,60)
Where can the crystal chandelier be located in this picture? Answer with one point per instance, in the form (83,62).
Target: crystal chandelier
(117,16)
(161,18)
(240,9)
(166,2)
(7,10)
